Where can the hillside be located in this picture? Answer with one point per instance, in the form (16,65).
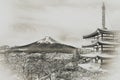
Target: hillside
(45,45)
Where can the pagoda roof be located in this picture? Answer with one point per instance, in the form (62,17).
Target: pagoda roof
(102,43)
(99,31)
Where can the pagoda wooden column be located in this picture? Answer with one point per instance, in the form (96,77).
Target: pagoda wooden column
(102,37)
(101,48)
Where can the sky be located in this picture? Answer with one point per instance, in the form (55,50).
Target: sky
(26,21)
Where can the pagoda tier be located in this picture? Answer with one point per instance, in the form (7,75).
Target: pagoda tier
(99,55)
(105,44)
(100,33)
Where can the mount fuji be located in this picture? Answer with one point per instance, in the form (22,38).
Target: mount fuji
(46,40)
(45,45)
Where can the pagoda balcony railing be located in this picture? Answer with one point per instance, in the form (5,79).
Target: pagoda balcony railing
(104,36)
(105,39)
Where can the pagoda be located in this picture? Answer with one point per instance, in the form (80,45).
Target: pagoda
(104,43)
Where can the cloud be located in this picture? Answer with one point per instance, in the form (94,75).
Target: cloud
(37,4)
(5,16)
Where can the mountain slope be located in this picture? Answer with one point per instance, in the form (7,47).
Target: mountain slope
(45,45)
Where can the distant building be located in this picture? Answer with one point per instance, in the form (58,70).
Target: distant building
(104,42)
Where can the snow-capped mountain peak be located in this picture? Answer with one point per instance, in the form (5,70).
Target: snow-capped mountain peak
(47,39)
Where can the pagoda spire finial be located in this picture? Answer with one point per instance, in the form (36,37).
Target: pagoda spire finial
(103,16)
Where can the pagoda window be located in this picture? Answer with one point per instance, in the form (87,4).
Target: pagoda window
(97,37)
